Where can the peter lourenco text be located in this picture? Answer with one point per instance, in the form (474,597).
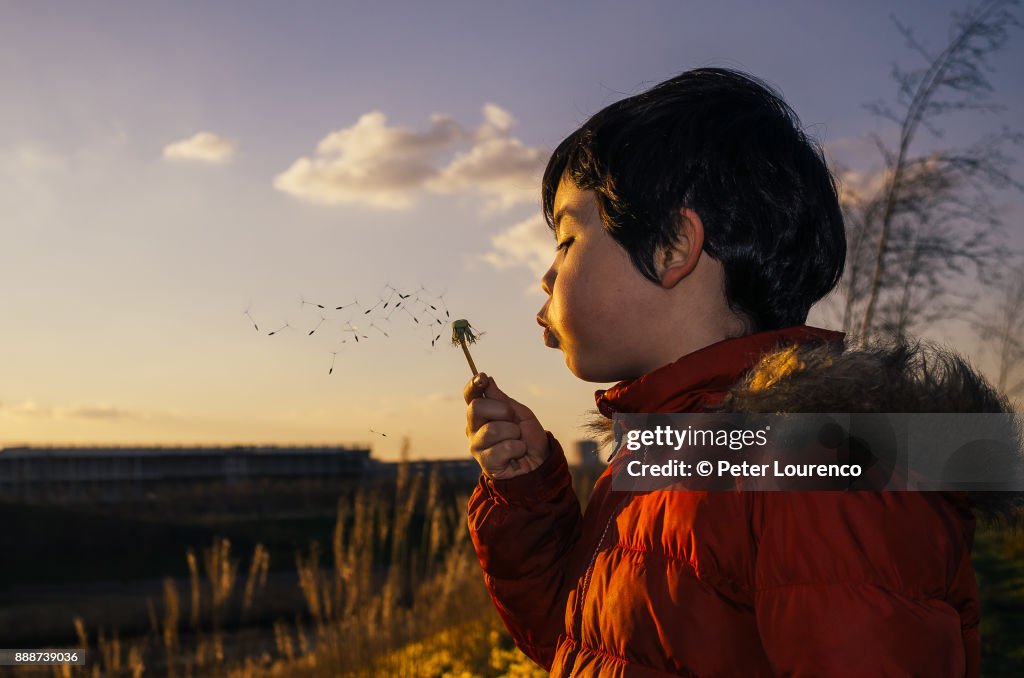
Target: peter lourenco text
(682,469)
(851,451)
(664,436)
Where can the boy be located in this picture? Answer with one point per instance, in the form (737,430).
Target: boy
(696,225)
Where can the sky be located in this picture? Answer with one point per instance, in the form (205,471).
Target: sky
(175,175)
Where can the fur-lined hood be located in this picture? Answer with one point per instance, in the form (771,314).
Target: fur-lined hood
(883,377)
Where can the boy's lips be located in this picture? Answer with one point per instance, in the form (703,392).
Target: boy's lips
(550,340)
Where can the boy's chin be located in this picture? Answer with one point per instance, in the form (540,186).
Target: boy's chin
(597,374)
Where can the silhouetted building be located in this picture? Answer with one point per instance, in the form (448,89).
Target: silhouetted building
(114,473)
(586,453)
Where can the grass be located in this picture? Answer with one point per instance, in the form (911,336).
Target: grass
(401,581)
(998,556)
(395,590)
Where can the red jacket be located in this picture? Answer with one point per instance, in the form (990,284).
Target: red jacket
(729,583)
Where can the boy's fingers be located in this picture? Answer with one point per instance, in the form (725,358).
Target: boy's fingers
(483,410)
(497,459)
(475,387)
(494,432)
(492,391)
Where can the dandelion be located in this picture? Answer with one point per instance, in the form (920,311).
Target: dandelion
(463,333)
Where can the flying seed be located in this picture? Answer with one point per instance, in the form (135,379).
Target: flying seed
(253,320)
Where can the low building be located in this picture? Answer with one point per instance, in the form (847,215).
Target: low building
(116,473)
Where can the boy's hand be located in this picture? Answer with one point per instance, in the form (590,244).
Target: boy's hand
(504,435)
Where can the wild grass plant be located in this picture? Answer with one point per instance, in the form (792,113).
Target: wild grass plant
(401,595)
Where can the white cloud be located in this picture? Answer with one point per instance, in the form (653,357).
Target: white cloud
(857,186)
(30,179)
(27,409)
(30,409)
(39,161)
(443,398)
(503,169)
(528,243)
(202,146)
(853,186)
(370,163)
(99,412)
(382,166)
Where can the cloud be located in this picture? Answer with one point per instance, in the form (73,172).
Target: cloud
(538,391)
(202,146)
(382,166)
(528,243)
(442,398)
(917,180)
(37,160)
(502,169)
(30,179)
(29,409)
(370,163)
(853,187)
(99,412)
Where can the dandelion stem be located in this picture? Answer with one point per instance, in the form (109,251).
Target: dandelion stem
(465,350)
(463,332)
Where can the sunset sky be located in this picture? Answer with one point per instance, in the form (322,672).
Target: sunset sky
(166,167)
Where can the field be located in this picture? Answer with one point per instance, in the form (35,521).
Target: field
(388,586)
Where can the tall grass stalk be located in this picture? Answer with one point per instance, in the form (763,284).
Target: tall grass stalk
(402,583)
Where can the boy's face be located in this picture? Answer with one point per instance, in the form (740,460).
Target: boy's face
(599,305)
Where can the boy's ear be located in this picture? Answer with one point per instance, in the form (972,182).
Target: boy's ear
(678,260)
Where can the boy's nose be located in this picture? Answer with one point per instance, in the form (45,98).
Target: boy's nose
(547,282)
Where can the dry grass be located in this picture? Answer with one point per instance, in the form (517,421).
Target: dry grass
(402,595)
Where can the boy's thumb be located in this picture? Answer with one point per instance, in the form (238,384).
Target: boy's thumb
(492,391)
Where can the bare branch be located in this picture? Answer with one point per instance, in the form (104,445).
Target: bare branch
(930,220)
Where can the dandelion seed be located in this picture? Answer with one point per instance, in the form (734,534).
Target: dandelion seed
(385,435)
(354,330)
(304,302)
(421,305)
(253,320)
(415,319)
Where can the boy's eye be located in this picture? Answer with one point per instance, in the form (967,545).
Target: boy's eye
(564,245)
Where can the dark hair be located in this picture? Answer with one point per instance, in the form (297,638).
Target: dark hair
(728,147)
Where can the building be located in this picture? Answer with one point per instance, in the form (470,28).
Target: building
(587,454)
(107,474)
